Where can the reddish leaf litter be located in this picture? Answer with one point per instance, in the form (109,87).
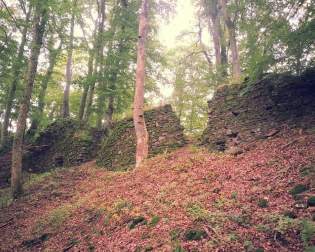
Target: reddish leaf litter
(87,208)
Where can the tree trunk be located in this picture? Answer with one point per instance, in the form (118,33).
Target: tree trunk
(53,54)
(87,85)
(98,60)
(215,32)
(236,67)
(108,122)
(142,137)
(16,77)
(40,20)
(214,25)
(65,108)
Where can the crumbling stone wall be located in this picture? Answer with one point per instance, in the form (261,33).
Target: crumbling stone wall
(240,114)
(63,143)
(119,148)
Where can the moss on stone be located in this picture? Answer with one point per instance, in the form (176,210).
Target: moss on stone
(118,150)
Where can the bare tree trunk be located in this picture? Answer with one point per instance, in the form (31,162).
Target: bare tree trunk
(236,66)
(215,32)
(214,25)
(98,60)
(53,54)
(109,113)
(87,85)
(142,137)
(40,20)
(16,76)
(65,108)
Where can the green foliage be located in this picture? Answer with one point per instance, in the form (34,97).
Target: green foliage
(54,219)
(311,201)
(307,232)
(298,189)
(194,235)
(137,221)
(5,198)
(199,213)
(154,221)
(263,203)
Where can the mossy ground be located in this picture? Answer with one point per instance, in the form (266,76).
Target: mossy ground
(186,200)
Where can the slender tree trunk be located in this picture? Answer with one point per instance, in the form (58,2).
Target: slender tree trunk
(98,63)
(215,32)
(108,122)
(87,85)
(40,20)
(236,66)
(16,77)
(142,137)
(53,54)
(66,106)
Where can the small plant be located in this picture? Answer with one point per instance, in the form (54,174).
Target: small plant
(5,198)
(199,213)
(298,189)
(154,221)
(242,220)
(311,201)
(290,214)
(175,234)
(307,170)
(248,245)
(54,219)
(233,237)
(178,248)
(234,195)
(259,250)
(263,203)
(307,232)
(137,221)
(195,235)
(120,205)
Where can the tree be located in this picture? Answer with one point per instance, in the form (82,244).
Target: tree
(65,107)
(142,137)
(17,67)
(38,113)
(39,24)
(236,66)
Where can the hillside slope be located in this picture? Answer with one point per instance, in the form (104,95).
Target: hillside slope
(187,200)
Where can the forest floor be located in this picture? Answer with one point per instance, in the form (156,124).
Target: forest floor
(186,200)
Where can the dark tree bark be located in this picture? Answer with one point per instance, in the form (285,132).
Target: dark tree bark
(38,114)
(16,77)
(98,61)
(39,23)
(215,26)
(142,137)
(236,66)
(66,106)
(87,85)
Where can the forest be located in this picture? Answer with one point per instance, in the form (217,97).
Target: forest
(157,125)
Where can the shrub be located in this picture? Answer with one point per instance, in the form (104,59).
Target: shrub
(154,221)
(263,203)
(195,235)
(298,189)
(307,232)
(140,220)
(311,201)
